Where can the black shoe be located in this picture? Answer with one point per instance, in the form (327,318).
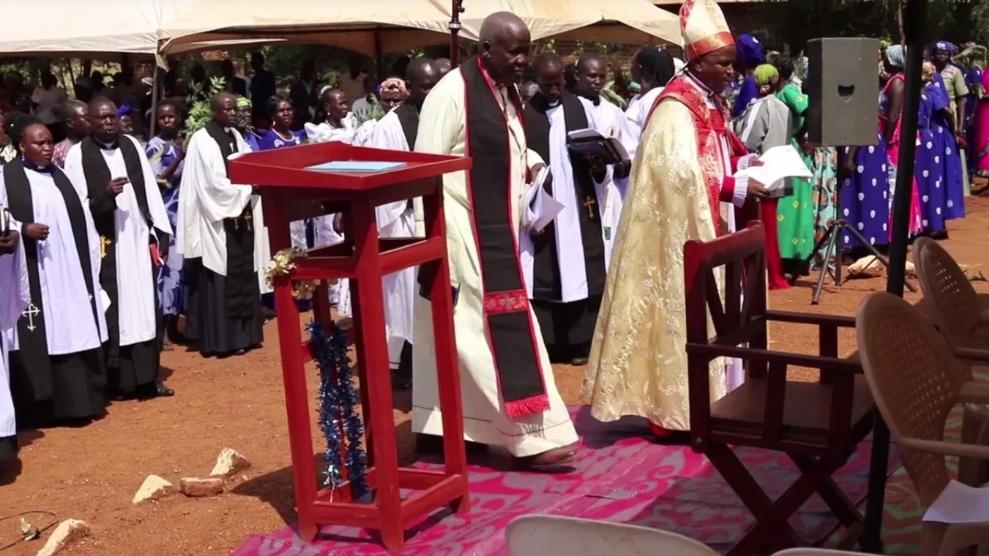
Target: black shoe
(163,391)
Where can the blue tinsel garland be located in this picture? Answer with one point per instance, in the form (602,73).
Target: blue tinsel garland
(337,402)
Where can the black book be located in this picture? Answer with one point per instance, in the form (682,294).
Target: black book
(588,143)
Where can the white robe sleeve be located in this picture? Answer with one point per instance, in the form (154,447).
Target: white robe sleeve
(156,206)
(205,172)
(73,169)
(388,134)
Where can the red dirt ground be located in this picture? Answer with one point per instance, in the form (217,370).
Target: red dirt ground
(92,472)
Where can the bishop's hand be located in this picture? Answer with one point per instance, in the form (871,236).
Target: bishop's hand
(757,190)
(116,187)
(36,231)
(8,242)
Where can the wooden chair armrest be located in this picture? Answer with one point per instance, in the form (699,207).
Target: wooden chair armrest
(974,392)
(811,318)
(946,448)
(972,354)
(785,358)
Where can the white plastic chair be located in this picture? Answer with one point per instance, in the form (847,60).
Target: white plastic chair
(547,535)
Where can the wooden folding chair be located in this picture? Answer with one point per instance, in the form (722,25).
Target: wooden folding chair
(818,425)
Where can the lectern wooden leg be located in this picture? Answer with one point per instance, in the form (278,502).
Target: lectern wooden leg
(371,324)
(297,408)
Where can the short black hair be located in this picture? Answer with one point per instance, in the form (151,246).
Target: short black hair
(17,123)
(271,106)
(67,109)
(784,64)
(656,63)
(169,102)
(546,59)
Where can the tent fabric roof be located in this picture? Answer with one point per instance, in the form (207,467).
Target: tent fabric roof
(172,26)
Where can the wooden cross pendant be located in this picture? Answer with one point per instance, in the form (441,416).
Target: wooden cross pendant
(589,204)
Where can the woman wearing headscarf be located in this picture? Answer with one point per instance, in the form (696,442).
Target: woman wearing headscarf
(765,124)
(750,54)
(867,173)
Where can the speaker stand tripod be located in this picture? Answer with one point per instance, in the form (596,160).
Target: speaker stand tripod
(831,261)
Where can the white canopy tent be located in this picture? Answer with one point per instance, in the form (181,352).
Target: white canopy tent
(633,21)
(404,24)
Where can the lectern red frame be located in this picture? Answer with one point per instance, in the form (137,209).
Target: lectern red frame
(289,193)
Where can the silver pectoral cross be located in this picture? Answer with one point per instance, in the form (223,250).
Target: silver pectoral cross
(31,312)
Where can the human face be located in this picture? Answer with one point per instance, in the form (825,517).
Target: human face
(37,145)
(284,115)
(79,124)
(390,99)
(126,124)
(715,70)
(590,78)
(507,59)
(550,81)
(225,112)
(244,116)
(168,119)
(104,121)
(941,58)
(428,77)
(338,106)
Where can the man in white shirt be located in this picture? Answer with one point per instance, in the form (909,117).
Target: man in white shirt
(47,98)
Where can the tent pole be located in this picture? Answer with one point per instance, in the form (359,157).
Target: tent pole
(379,57)
(458,8)
(154,104)
(913,26)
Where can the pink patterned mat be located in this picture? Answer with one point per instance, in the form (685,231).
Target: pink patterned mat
(620,475)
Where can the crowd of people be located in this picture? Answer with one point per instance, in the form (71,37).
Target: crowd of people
(85,186)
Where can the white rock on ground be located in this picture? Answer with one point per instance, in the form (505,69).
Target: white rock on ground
(153,488)
(229,463)
(194,486)
(67,532)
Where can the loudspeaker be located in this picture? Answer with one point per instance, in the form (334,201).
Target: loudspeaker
(843,85)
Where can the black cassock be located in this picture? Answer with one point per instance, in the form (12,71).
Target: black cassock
(224,312)
(52,386)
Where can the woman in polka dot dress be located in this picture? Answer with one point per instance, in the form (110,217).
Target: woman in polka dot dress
(946,154)
(929,167)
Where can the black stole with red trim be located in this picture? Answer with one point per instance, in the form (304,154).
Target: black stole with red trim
(546,272)
(510,331)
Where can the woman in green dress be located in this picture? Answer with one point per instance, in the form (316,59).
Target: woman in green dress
(796,211)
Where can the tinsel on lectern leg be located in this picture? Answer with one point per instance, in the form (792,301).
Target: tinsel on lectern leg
(337,409)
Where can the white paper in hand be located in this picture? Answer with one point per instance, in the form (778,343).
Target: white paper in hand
(541,207)
(778,163)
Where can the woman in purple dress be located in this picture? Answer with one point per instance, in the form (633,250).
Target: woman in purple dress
(865,174)
(929,174)
(946,154)
(282,114)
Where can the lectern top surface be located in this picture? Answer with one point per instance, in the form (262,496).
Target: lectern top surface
(288,167)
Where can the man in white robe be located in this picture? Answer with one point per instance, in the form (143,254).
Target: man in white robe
(222,240)
(397,131)
(611,122)
(565,264)
(652,69)
(57,368)
(14,299)
(111,171)
(509,394)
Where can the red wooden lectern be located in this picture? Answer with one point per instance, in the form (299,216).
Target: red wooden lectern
(290,192)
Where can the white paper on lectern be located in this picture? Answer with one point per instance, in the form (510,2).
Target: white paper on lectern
(959,503)
(778,163)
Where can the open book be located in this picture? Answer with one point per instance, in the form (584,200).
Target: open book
(588,143)
(778,163)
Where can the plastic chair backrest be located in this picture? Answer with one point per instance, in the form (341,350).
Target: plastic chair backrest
(914,377)
(952,298)
(545,535)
